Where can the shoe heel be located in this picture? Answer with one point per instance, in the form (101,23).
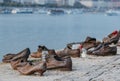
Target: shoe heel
(40,72)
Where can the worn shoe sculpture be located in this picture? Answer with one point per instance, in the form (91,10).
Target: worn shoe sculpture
(55,62)
(38,54)
(104,51)
(69,52)
(29,69)
(20,59)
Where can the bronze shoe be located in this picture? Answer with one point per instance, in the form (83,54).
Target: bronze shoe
(38,54)
(20,58)
(8,57)
(111,38)
(29,69)
(69,52)
(104,51)
(55,62)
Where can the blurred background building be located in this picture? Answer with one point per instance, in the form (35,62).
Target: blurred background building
(87,3)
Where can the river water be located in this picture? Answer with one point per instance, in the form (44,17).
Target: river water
(20,31)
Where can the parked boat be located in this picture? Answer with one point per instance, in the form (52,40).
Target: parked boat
(55,12)
(68,11)
(112,12)
(42,11)
(16,11)
(25,11)
(5,11)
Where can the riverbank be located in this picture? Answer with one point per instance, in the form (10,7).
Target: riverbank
(91,68)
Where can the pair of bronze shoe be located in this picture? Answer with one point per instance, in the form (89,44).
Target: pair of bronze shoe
(103,50)
(20,62)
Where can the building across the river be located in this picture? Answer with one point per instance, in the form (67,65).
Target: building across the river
(87,3)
